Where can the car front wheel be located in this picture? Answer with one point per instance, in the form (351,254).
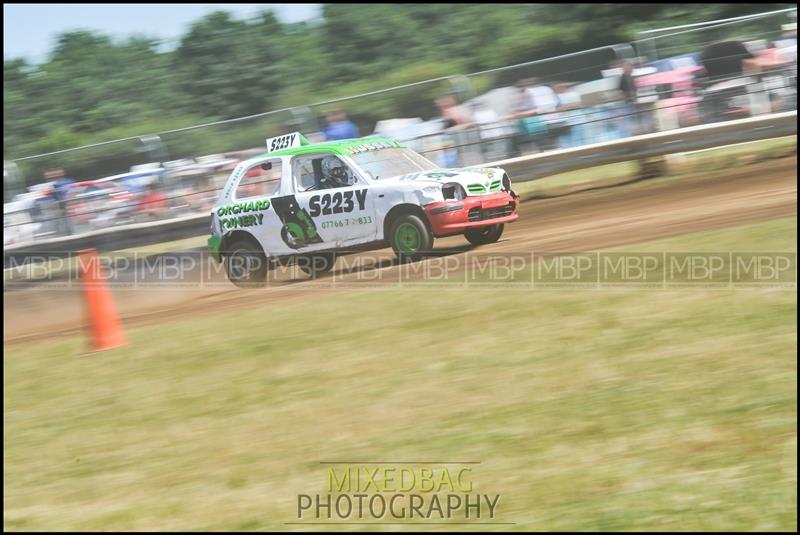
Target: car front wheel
(410,238)
(484,235)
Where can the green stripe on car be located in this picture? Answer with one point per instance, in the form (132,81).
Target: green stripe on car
(213,246)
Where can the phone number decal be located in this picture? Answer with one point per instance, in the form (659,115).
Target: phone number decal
(338,223)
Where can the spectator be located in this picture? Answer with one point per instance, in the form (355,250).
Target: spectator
(60,191)
(626,111)
(725,89)
(775,104)
(453,114)
(520,107)
(626,83)
(154,203)
(492,131)
(568,99)
(483,115)
(339,126)
(455,117)
(541,98)
(535,100)
(569,106)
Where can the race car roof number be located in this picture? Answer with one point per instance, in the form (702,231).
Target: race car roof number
(288,141)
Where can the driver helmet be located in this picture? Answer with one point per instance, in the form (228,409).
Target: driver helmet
(335,171)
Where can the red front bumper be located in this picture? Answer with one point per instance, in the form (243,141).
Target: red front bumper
(454,217)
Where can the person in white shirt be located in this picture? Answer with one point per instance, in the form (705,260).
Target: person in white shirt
(569,106)
(541,98)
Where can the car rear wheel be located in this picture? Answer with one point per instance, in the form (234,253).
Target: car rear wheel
(484,235)
(317,264)
(410,238)
(245,264)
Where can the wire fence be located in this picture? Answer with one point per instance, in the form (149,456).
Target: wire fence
(466,145)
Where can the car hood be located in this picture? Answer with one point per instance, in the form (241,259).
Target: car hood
(475,180)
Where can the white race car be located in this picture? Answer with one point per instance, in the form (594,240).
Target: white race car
(304,203)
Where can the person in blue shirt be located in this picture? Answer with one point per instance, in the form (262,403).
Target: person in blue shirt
(59,193)
(61,184)
(339,127)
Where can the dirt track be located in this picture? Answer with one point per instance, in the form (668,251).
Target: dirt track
(582,221)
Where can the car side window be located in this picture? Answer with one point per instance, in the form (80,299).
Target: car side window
(308,173)
(304,174)
(260,180)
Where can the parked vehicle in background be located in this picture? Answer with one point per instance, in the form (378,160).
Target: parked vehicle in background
(94,205)
(18,223)
(775,67)
(724,87)
(672,94)
(192,185)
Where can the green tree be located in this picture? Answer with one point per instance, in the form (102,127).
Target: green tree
(228,67)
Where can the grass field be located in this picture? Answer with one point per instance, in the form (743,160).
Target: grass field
(597,409)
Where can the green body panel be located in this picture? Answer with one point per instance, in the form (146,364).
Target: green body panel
(213,246)
(342,147)
(479,189)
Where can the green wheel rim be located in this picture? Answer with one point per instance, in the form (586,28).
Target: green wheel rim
(407,238)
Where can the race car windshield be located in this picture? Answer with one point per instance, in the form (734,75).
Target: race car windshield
(386,163)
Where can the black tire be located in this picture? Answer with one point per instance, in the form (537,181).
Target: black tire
(316,264)
(410,238)
(245,264)
(484,235)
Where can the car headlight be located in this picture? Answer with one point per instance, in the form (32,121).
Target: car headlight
(453,191)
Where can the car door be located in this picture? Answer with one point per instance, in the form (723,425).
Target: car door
(333,217)
(249,208)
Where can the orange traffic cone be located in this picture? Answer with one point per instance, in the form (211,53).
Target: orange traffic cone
(100,311)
